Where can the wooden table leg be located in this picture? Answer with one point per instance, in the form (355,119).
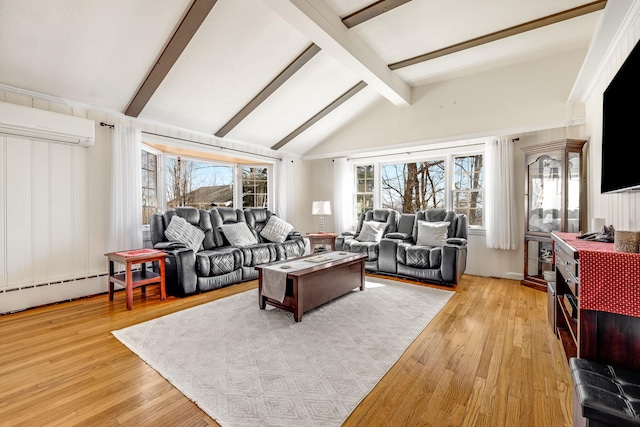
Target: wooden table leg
(129,280)
(111,284)
(297,300)
(163,290)
(262,301)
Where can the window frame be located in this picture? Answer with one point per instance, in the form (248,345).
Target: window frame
(448,154)
(237,173)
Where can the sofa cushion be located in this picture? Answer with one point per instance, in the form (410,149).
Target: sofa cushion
(371,231)
(179,230)
(276,230)
(422,257)
(238,234)
(432,233)
(217,262)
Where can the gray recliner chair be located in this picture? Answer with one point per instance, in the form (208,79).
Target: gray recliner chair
(442,263)
(357,244)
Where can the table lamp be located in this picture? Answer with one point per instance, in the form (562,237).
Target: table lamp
(321,207)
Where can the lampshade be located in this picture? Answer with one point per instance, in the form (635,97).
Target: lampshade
(321,207)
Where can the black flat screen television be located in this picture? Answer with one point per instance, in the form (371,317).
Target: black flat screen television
(620,130)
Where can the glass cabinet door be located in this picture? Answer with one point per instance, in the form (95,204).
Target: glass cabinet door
(573,192)
(545,195)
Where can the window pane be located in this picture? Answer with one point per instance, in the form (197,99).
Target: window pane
(149,184)
(364,189)
(199,184)
(410,187)
(468,187)
(255,186)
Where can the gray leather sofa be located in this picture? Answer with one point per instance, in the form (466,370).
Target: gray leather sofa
(217,263)
(399,254)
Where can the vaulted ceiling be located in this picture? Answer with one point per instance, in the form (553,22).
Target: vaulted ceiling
(281,74)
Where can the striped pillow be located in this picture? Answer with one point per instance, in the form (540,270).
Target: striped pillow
(276,230)
(179,230)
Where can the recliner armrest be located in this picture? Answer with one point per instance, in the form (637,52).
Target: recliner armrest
(169,245)
(458,241)
(349,233)
(405,237)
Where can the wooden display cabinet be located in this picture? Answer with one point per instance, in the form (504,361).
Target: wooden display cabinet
(554,201)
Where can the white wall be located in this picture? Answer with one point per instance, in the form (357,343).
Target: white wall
(53,204)
(526,96)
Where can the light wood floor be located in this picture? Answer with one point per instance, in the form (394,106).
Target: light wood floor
(489,358)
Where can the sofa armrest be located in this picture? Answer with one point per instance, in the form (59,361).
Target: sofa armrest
(169,245)
(405,237)
(458,241)
(294,235)
(387,250)
(454,262)
(181,270)
(349,233)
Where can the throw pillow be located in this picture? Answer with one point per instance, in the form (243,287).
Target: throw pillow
(238,234)
(276,230)
(371,231)
(432,233)
(179,230)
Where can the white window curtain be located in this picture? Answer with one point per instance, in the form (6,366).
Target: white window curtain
(342,195)
(284,203)
(125,219)
(500,209)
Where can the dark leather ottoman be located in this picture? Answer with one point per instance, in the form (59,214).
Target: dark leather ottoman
(604,395)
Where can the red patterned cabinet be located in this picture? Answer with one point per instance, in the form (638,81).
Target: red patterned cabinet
(604,323)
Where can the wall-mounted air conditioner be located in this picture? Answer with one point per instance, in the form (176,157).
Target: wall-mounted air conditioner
(31,123)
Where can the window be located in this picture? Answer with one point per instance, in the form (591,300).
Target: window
(410,187)
(255,187)
(149,185)
(198,183)
(453,182)
(467,188)
(364,188)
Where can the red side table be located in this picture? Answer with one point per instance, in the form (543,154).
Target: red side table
(132,279)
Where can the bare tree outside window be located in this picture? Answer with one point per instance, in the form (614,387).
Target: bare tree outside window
(255,184)
(149,185)
(468,187)
(198,184)
(410,187)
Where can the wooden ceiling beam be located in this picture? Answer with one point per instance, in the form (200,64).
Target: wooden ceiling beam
(320,24)
(195,16)
(326,110)
(371,11)
(512,31)
(291,69)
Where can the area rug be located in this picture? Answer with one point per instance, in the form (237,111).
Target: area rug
(249,367)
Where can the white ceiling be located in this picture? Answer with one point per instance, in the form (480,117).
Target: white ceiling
(99,53)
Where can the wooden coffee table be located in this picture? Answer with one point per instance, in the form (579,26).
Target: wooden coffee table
(316,285)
